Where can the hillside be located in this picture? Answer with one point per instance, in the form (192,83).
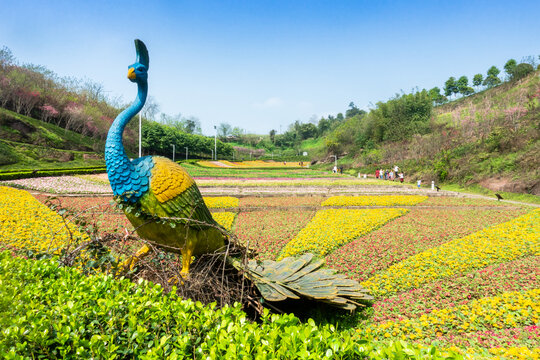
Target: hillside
(489,139)
(29,143)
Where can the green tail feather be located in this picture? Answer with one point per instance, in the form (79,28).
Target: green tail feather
(303,278)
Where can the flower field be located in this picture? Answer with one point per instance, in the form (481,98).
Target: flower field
(332,228)
(220,202)
(252,164)
(505,242)
(61,185)
(26,223)
(225,219)
(419,230)
(267,231)
(460,274)
(382,200)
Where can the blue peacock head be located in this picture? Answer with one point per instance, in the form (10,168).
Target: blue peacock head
(138,72)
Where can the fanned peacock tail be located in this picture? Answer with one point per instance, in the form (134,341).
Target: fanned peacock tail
(304,278)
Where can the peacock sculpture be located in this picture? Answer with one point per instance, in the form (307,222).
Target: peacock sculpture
(166,208)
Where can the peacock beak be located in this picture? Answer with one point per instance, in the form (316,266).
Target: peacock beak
(131,74)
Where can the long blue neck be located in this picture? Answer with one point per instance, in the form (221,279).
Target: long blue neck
(118,164)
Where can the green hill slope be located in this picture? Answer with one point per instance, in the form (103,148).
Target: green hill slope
(29,143)
(489,139)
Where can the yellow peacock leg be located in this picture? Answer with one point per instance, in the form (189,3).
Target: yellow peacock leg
(130,262)
(187,251)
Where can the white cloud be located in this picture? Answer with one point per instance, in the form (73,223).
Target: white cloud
(271,102)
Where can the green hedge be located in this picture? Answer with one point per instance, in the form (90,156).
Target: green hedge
(48,311)
(24,174)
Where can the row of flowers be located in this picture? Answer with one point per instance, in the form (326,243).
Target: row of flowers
(267,231)
(419,230)
(507,310)
(61,185)
(501,243)
(252,164)
(380,200)
(518,275)
(225,219)
(27,223)
(220,202)
(332,228)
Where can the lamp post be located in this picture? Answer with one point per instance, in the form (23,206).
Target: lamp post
(140,134)
(215,142)
(186,152)
(173,151)
(212,150)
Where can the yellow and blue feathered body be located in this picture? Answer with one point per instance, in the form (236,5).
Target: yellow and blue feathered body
(172,213)
(158,196)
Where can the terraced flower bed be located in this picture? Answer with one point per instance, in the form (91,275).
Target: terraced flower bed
(332,228)
(225,219)
(518,275)
(61,185)
(220,202)
(419,230)
(509,310)
(26,223)
(458,273)
(280,202)
(497,244)
(267,231)
(381,200)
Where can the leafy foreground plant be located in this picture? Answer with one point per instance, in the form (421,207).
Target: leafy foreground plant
(55,312)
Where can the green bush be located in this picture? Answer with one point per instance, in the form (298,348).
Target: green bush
(48,311)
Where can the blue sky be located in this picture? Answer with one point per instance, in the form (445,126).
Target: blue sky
(260,65)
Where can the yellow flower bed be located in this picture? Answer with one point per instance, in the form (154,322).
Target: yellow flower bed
(497,244)
(211,164)
(508,310)
(383,200)
(521,353)
(25,223)
(332,228)
(225,219)
(220,202)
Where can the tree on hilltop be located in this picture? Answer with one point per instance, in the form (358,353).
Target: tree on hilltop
(477,80)
(436,96)
(450,87)
(353,110)
(463,86)
(492,78)
(510,67)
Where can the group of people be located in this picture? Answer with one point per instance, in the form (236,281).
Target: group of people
(335,169)
(389,175)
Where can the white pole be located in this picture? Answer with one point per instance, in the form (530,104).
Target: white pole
(140,134)
(173,151)
(215,142)
(212,150)
(186,152)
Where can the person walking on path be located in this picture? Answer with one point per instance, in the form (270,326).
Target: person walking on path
(418,183)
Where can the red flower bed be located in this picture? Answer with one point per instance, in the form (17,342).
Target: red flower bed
(269,230)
